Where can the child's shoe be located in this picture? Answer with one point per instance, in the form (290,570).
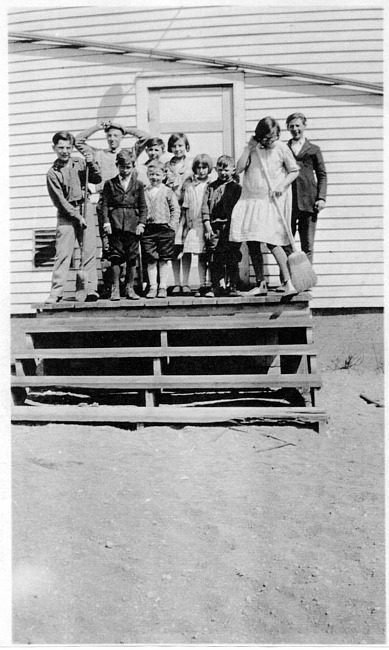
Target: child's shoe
(201,291)
(130,294)
(210,294)
(152,293)
(176,290)
(52,300)
(233,292)
(260,290)
(162,293)
(289,289)
(186,290)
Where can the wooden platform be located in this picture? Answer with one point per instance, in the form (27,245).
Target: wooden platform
(161,356)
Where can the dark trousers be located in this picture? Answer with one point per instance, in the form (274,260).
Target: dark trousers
(222,255)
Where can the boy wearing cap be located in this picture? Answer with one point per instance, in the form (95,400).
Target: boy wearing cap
(66,187)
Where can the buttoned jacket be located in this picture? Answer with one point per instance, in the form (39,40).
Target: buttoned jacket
(311,183)
(124,209)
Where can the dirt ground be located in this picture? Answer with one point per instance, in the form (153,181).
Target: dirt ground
(234,534)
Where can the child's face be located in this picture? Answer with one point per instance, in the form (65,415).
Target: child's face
(155,176)
(224,171)
(154,152)
(63,150)
(179,148)
(125,169)
(268,141)
(114,138)
(201,171)
(296,128)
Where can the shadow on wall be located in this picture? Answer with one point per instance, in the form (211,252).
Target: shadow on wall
(110,103)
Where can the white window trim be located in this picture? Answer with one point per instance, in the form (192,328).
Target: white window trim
(234,80)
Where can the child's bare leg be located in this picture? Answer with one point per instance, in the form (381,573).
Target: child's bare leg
(281,258)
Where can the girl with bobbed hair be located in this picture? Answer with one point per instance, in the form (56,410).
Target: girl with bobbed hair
(255,218)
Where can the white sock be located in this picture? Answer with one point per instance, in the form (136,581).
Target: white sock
(163,273)
(152,270)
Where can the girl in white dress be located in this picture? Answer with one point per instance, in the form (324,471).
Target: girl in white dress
(255,218)
(178,175)
(194,241)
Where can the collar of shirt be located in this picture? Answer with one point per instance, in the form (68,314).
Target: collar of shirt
(125,182)
(297,146)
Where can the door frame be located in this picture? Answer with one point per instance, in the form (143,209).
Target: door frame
(233,80)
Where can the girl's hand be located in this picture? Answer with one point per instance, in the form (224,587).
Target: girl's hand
(252,143)
(107,228)
(140,229)
(208,231)
(277,192)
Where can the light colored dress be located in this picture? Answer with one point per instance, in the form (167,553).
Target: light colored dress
(255,217)
(193,199)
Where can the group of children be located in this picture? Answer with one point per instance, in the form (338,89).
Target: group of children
(170,210)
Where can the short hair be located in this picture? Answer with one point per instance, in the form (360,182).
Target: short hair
(63,135)
(228,160)
(157,164)
(202,158)
(173,139)
(125,156)
(296,116)
(155,142)
(266,126)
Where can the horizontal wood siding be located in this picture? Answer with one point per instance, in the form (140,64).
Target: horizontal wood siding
(51,88)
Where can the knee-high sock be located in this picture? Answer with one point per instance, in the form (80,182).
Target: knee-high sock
(163,273)
(186,264)
(152,270)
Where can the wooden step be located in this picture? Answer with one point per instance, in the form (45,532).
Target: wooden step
(257,320)
(184,382)
(162,414)
(163,352)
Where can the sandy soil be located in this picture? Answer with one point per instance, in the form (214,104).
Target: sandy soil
(209,535)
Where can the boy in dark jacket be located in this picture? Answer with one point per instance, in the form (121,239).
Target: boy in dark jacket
(219,200)
(309,190)
(124,215)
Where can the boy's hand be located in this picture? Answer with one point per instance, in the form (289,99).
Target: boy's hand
(88,155)
(320,204)
(107,228)
(82,223)
(252,143)
(140,229)
(104,124)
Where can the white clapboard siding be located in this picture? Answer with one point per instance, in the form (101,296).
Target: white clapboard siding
(346,122)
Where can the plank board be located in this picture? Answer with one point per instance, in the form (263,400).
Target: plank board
(162,415)
(155,382)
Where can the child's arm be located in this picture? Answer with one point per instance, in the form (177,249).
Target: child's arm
(174,210)
(57,196)
(105,208)
(142,210)
(205,214)
(81,138)
(282,187)
(141,139)
(244,160)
